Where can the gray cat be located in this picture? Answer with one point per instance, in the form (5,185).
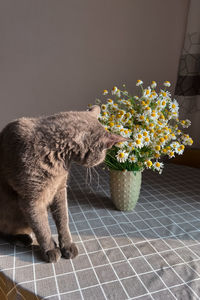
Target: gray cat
(35,157)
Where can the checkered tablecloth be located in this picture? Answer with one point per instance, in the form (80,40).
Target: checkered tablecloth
(152,252)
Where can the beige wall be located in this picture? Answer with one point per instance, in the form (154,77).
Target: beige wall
(58,55)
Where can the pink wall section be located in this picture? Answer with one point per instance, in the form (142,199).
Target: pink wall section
(59,55)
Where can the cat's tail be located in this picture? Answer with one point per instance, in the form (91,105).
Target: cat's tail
(22,240)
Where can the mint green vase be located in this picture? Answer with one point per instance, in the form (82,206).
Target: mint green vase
(125,188)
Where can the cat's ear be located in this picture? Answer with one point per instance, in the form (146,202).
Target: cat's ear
(112,139)
(95,110)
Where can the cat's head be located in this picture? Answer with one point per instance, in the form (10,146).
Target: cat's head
(96,140)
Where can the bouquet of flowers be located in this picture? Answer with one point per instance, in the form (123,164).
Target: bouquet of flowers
(149,121)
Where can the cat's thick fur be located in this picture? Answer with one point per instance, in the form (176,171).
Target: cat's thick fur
(35,156)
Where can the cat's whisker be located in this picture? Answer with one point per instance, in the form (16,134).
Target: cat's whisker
(88,179)
(97,176)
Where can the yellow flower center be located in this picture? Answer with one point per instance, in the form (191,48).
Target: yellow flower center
(145,133)
(157,164)
(138,142)
(139,136)
(111,124)
(156,155)
(162,140)
(121,154)
(191,141)
(157,148)
(149,163)
(146,139)
(173,106)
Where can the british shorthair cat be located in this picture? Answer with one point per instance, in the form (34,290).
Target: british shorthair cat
(35,158)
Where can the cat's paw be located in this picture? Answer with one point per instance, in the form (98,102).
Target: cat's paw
(70,251)
(53,255)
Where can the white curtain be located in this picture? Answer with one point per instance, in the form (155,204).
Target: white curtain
(188,83)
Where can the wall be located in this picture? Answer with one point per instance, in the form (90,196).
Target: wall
(58,55)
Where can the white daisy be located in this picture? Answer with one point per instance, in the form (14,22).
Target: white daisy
(122,156)
(114,90)
(138,143)
(174,106)
(141,117)
(154,115)
(104,107)
(148,164)
(167,84)
(185,123)
(130,146)
(147,141)
(110,102)
(165,94)
(180,151)
(132,158)
(125,132)
(117,127)
(171,154)
(158,166)
(153,95)
(118,93)
(105,92)
(147,92)
(175,146)
(153,85)
(139,82)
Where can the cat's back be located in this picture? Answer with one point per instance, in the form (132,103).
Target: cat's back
(16,139)
(17,132)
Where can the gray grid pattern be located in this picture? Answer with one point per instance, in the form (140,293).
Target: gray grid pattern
(150,253)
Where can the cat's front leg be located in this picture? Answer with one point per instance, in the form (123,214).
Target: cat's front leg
(37,217)
(59,211)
